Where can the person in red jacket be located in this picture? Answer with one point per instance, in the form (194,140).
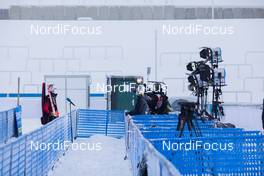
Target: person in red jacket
(49,105)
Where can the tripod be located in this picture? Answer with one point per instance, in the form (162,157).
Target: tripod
(186,116)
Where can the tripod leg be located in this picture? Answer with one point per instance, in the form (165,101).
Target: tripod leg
(189,123)
(182,125)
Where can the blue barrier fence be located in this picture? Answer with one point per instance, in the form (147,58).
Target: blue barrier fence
(244,154)
(10,124)
(90,122)
(138,148)
(29,155)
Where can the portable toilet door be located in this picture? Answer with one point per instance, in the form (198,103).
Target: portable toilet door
(118,98)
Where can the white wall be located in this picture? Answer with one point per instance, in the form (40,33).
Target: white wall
(127,48)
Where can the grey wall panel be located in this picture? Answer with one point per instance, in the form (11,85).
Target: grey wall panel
(158,12)
(218,13)
(259,13)
(113,13)
(92,11)
(179,13)
(237,12)
(69,13)
(83,11)
(190,13)
(247,13)
(14,12)
(203,13)
(228,13)
(58,12)
(4,14)
(103,13)
(169,12)
(147,13)
(37,14)
(26,13)
(125,13)
(136,13)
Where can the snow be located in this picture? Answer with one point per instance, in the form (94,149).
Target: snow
(30,124)
(247,117)
(109,161)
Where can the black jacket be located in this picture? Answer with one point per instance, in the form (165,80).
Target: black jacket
(141,107)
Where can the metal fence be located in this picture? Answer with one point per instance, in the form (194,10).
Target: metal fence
(31,154)
(138,148)
(240,152)
(8,124)
(109,123)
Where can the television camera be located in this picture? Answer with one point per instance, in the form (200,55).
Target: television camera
(205,74)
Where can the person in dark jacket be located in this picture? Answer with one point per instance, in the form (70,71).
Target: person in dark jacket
(141,107)
(49,106)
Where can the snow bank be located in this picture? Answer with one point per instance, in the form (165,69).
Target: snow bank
(109,161)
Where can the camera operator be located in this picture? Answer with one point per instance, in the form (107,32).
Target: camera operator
(158,100)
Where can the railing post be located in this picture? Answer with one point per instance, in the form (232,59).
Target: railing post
(106,122)
(263,115)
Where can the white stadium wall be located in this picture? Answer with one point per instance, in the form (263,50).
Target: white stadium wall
(128,48)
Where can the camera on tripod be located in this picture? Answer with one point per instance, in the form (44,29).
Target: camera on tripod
(204,74)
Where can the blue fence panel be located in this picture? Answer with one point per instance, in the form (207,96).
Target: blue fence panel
(137,148)
(90,122)
(8,124)
(24,156)
(245,158)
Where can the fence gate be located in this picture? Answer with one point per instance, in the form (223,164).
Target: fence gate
(90,122)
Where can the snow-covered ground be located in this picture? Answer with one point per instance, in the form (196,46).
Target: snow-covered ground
(109,161)
(247,117)
(30,124)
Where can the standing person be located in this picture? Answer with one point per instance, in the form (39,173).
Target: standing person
(141,107)
(49,105)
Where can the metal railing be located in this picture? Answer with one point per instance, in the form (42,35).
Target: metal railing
(244,154)
(138,148)
(109,123)
(35,153)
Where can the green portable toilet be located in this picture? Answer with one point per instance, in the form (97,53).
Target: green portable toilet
(121,97)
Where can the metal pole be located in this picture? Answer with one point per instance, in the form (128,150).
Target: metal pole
(18,91)
(156,55)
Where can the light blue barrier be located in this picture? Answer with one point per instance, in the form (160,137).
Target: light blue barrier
(109,123)
(245,158)
(237,155)
(10,124)
(137,148)
(21,157)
